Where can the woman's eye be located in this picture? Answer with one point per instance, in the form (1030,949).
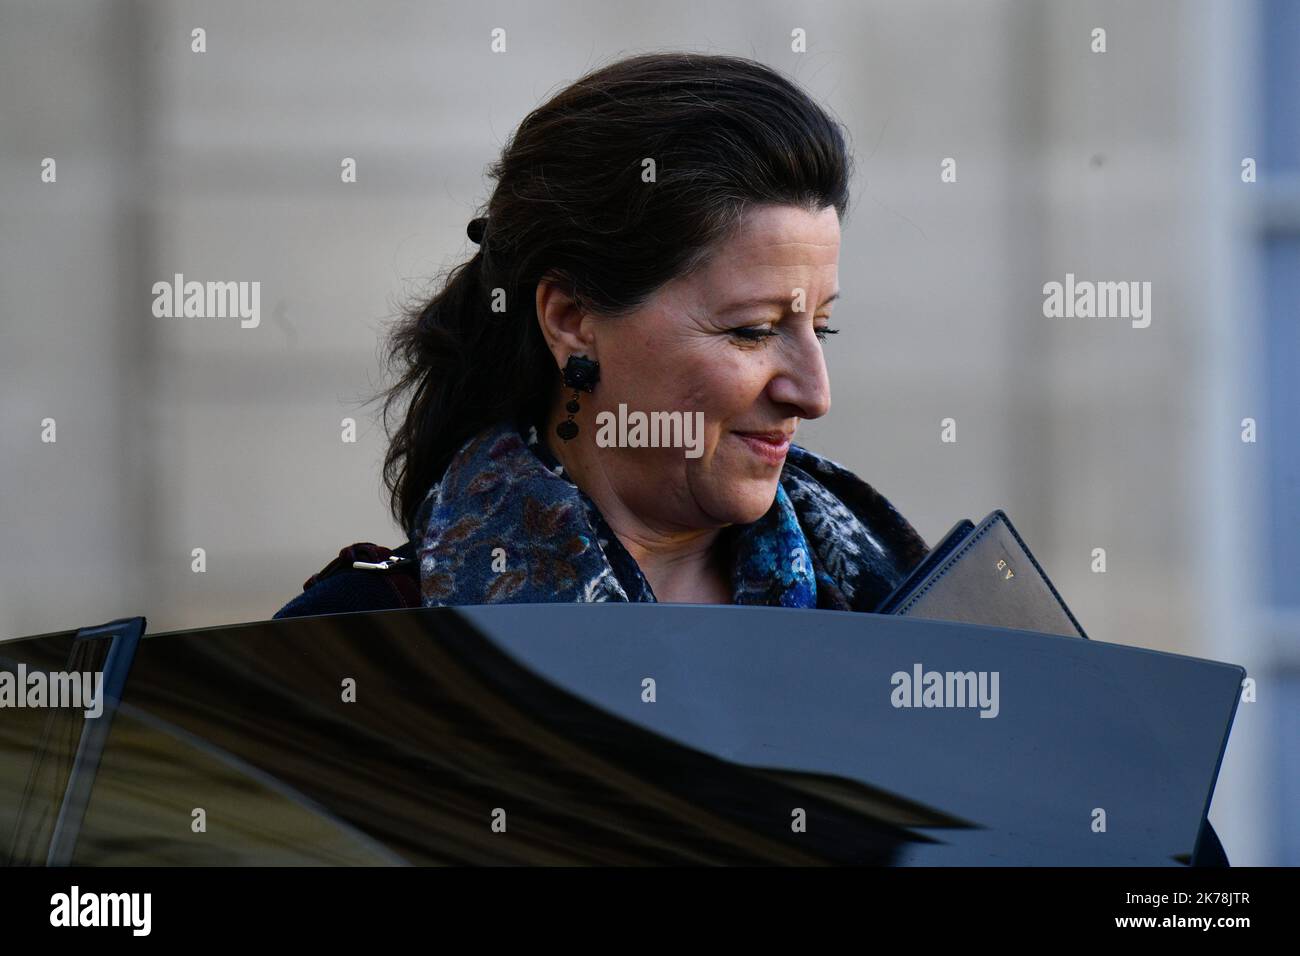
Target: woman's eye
(759,334)
(754,334)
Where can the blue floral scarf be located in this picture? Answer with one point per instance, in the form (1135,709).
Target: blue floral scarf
(505,524)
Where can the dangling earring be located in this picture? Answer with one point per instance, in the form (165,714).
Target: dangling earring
(581,375)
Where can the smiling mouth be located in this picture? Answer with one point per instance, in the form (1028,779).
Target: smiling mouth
(771,447)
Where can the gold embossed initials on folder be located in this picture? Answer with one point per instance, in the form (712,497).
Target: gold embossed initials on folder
(983,575)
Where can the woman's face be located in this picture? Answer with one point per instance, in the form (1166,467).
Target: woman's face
(739,341)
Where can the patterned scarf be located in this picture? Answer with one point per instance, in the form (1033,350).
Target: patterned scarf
(505,524)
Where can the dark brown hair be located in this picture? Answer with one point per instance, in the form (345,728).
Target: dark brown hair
(571,202)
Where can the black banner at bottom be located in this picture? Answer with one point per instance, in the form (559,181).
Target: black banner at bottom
(334,905)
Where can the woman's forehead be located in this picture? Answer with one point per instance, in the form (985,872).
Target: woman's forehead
(781,237)
(774,251)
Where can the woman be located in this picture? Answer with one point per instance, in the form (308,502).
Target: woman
(663,238)
(661,247)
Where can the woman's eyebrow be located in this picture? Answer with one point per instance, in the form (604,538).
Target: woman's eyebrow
(781,302)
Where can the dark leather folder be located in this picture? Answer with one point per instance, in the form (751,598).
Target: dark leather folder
(983,575)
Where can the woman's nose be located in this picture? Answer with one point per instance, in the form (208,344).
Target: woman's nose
(802,380)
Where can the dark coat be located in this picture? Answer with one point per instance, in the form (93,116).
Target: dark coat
(339,588)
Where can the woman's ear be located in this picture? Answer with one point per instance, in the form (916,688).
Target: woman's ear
(566,328)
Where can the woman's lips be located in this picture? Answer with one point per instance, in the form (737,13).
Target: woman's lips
(769,446)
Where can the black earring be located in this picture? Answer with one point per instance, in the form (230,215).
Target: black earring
(580,374)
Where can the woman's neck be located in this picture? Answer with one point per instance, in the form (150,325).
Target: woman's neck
(682,566)
(681,570)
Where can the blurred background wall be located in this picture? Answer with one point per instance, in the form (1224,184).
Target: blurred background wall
(176,434)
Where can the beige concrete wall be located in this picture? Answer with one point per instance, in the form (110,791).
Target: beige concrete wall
(183,434)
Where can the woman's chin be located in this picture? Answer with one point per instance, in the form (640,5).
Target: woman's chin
(744,502)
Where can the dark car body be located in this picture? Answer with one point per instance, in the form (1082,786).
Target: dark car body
(608,735)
